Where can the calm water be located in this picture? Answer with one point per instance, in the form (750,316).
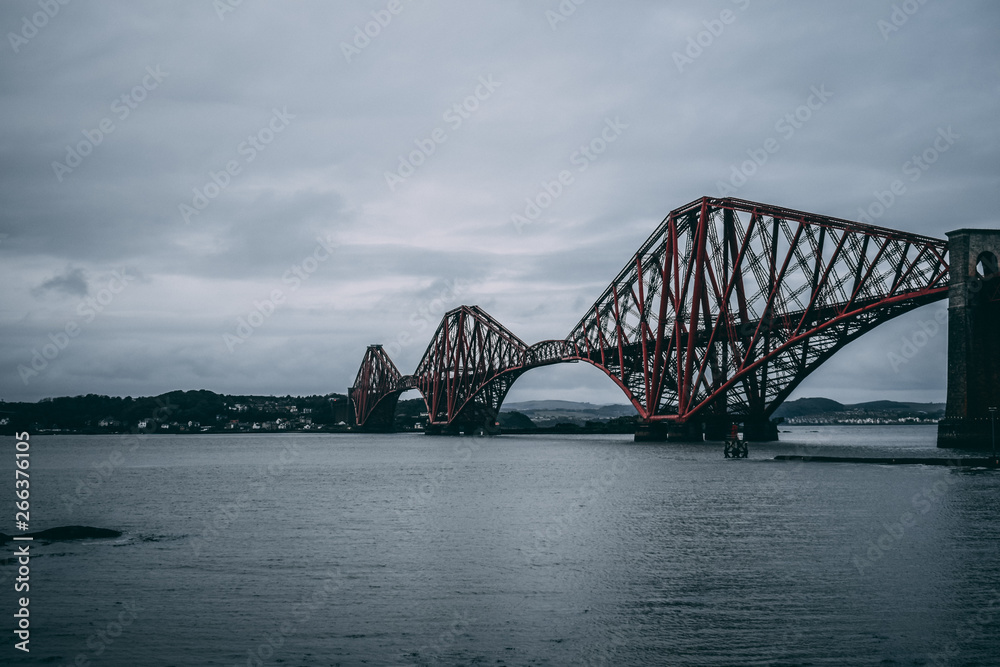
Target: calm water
(564,550)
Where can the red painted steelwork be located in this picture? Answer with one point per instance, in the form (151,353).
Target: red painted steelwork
(724,309)
(377,382)
(746,300)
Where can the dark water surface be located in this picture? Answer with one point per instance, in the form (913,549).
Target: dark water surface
(517,550)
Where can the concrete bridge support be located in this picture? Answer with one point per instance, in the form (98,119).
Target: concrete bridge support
(718,427)
(463,428)
(973,339)
(760,429)
(711,427)
(382,418)
(664,431)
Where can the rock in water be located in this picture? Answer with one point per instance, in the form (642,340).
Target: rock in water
(64,533)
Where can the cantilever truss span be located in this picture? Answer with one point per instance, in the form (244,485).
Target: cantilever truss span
(376,389)
(720,314)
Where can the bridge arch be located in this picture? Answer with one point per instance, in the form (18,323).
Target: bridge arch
(718,316)
(376,390)
(986,265)
(730,304)
(467,369)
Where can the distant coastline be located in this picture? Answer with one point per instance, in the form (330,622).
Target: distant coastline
(202,411)
(176,412)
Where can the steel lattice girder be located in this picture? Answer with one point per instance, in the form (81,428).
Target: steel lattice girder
(468,338)
(378,380)
(724,309)
(730,304)
(469,366)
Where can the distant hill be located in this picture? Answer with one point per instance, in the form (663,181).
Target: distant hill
(549,413)
(176,411)
(824,410)
(515,420)
(205,411)
(611,410)
(893,405)
(808,406)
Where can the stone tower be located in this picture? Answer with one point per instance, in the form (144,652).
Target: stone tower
(973,339)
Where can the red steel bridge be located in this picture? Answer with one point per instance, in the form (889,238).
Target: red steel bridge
(717,317)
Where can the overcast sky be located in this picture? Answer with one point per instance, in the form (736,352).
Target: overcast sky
(171,168)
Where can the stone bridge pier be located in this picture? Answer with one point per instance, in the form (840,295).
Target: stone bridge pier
(973,339)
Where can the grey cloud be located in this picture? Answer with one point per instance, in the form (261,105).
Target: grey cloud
(72,282)
(324,174)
